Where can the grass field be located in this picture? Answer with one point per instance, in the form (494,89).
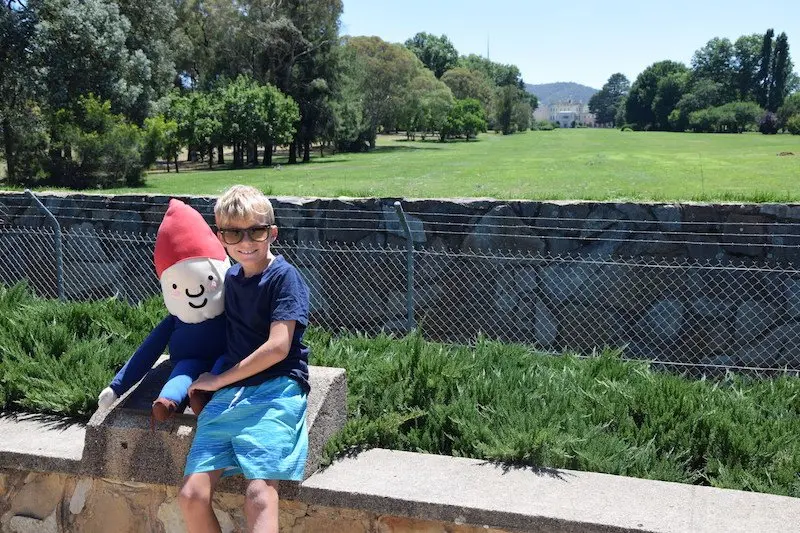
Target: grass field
(592,164)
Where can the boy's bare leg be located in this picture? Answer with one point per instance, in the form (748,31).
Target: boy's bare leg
(195,500)
(261,506)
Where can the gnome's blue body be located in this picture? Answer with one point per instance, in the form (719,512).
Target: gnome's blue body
(191,264)
(193,349)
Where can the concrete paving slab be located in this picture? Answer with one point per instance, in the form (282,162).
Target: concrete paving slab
(40,443)
(476,492)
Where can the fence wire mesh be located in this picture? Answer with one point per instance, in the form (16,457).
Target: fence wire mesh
(700,316)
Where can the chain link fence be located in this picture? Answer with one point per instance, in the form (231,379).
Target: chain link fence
(699,316)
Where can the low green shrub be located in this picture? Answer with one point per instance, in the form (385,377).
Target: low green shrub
(490,401)
(56,357)
(602,414)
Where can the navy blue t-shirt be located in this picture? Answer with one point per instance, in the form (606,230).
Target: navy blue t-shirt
(252,304)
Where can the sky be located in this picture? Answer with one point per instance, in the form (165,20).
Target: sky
(576,40)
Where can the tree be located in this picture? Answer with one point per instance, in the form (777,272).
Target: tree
(348,128)
(507,98)
(152,58)
(241,100)
(789,109)
(523,116)
(426,104)
(605,103)
(197,116)
(211,42)
(747,49)
(639,105)
(733,117)
(436,53)
(20,118)
(465,118)
(99,148)
(466,83)
(703,94)
(669,91)
(160,140)
(312,70)
(279,116)
(501,75)
(781,71)
(793,125)
(384,73)
(764,69)
(80,48)
(716,62)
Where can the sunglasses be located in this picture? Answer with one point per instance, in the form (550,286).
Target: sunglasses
(235,235)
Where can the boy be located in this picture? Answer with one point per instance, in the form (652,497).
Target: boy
(255,423)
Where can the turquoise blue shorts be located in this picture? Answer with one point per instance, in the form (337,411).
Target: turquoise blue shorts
(258,431)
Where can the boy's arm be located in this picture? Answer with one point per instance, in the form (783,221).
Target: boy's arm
(273,351)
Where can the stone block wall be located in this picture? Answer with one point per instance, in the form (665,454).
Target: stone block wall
(714,285)
(35,502)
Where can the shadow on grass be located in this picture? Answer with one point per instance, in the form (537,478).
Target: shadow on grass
(47,420)
(505,466)
(543,471)
(435,141)
(402,148)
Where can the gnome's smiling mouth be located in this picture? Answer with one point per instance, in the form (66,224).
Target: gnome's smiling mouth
(199,306)
(198,295)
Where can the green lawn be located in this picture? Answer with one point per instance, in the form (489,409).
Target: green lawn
(590,164)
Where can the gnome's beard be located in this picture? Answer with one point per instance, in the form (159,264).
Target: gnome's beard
(193,288)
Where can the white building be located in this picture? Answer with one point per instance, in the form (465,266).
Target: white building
(566,114)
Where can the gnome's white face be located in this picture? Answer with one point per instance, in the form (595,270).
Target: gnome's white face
(192,288)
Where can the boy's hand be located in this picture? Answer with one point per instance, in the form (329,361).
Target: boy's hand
(207,381)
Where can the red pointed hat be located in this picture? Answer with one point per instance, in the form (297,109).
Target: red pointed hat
(183,234)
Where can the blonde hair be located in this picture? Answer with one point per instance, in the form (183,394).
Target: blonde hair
(243,203)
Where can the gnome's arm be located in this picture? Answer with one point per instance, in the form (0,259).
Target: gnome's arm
(144,358)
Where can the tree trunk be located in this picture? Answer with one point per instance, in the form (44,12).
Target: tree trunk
(293,153)
(210,157)
(11,158)
(167,164)
(176,164)
(306,151)
(220,155)
(267,155)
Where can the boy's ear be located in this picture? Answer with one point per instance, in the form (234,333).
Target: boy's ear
(273,233)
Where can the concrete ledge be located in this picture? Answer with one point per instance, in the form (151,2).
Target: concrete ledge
(476,492)
(41,443)
(122,444)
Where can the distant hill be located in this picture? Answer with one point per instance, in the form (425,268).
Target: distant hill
(551,93)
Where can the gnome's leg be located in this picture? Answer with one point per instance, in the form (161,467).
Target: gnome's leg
(176,388)
(183,374)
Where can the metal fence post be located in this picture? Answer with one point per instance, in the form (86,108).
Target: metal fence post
(410,322)
(57,242)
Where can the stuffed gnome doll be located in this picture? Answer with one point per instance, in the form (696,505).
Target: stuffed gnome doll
(190,264)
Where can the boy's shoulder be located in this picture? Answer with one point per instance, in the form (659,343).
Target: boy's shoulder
(280,268)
